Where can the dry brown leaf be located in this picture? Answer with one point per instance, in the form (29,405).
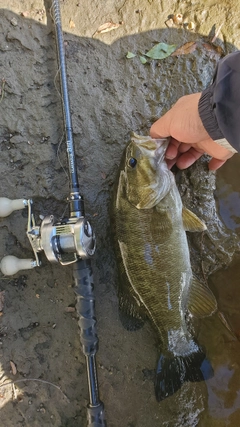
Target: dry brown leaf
(2,297)
(216,50)
(108,26)
(13,367)
(186,48)
(71,24)
(70,309)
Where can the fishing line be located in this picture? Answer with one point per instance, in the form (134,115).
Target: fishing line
(61,97)
(58,156)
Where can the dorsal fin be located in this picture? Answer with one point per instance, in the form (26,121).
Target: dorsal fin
(191,222)
(201,302)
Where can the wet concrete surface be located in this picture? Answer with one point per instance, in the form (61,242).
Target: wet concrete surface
(110,96)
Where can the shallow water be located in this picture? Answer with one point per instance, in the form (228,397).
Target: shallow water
(228,193)
(224,388)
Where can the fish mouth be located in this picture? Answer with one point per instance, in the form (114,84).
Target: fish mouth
(152,180)
(161,149)
(145,142)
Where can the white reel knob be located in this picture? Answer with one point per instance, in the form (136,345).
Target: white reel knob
(10,265)
(7,206)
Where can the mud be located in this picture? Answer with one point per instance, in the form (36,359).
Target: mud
(110,96)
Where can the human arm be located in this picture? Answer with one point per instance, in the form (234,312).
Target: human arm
(205,122)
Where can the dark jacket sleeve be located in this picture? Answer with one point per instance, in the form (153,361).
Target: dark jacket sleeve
(219,105)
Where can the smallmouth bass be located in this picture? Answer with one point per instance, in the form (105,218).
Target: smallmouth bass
(155,276)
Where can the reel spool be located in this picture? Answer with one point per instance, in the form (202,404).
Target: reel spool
(62,242)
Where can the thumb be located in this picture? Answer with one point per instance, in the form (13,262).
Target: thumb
(161,128)
(215,164)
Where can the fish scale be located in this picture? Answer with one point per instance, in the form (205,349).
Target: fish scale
(136,233)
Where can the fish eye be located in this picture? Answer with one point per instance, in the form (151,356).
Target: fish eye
(132,162)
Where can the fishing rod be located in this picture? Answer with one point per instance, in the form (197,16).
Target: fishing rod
(71,241)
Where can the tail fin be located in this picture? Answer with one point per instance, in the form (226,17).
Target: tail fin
(173,372)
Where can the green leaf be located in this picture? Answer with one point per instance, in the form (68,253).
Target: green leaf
(143,60)
(161,50)
(130,55)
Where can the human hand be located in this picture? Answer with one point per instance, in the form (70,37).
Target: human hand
(189,139)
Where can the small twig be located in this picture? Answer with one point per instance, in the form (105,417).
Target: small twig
(14,392)
(35,379)
(216,34)
(2,90)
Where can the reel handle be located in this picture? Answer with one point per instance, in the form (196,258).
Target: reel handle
(7,206)
(10,265)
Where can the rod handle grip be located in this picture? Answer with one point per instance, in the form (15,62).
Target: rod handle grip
(7,206)
(10,265)
(84,290)
(96,416)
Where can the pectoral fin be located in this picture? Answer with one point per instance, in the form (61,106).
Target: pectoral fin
(191,222)
(201,302)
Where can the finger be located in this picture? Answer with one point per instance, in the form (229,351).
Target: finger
(187,159)
(161,128)
(184,147)
(215,164)
(171,163)
(172,149)
(175,148)
(215,150)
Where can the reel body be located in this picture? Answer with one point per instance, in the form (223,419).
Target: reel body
(62,242)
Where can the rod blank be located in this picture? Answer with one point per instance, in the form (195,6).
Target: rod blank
(65,99)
